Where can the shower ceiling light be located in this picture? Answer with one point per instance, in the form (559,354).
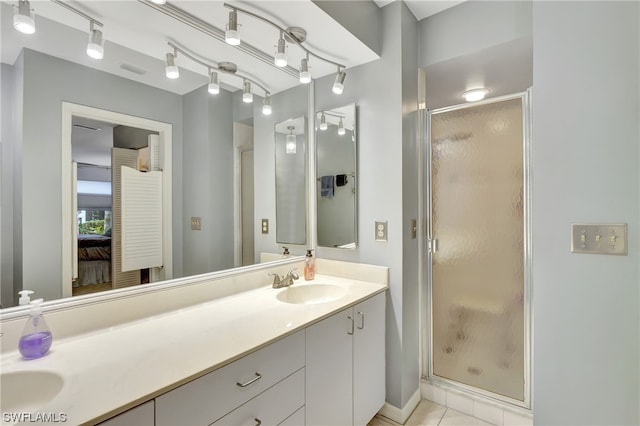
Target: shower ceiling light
(23,19)
(291,141)
(475,94)
(95,47)
(159,1)
(171,70)
(231,36)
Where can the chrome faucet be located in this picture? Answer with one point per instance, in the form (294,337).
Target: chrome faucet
(285,281)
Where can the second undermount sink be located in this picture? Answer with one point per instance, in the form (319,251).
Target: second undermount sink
(311,293)
(28,391)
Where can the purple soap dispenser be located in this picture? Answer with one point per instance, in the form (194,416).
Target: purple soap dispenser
(36,338)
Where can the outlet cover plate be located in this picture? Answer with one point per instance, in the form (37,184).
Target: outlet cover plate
(381,230)
(264,224)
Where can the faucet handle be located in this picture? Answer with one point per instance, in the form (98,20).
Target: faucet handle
(276,278)
(293,274)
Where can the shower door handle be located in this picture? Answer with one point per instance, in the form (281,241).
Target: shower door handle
(432,245)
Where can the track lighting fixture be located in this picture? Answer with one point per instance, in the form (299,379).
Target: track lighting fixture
(231,36)
(247,96)
(23,19)
(266,105)
(281,57)
(305,75)
(338,84)
(323,122)
(291,141)
(95,47)
(341,130)
(214,84)
(171,70)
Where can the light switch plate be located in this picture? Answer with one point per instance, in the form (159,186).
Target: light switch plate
(599,238)
(381,231)
(196,224)
(264,224)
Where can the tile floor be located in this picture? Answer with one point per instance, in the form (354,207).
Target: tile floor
(431,414)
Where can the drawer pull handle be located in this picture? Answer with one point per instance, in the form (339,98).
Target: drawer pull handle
(361,326)
(255,379)
(258,421)
(352,323)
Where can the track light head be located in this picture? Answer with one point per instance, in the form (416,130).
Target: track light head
(281,57)
(171,70)
(338,84)
(231,36)
(247,96)
(23,19)
(291,141)
(341,130)
(214,84)
(323,122)
(305,75)
(95,47)
(266,105)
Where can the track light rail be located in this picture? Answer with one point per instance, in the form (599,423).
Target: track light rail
(78,12)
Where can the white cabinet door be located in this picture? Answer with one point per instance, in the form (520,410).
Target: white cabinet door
(329,369)
(368,359)
(142,415)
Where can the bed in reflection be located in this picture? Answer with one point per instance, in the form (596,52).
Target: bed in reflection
(94,259)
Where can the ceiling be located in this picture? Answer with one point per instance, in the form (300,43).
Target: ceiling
(423,8)
(137,34)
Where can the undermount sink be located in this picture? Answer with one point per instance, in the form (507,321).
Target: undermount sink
(311,293)
(28,391)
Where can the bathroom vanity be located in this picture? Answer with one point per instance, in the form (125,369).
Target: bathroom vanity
(312,353)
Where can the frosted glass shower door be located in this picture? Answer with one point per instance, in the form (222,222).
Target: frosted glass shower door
(477,258)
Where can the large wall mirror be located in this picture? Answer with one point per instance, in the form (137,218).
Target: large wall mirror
(337,177)
(291,181)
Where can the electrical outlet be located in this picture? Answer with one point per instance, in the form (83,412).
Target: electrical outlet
(265,226)
(381,231)
(195,224)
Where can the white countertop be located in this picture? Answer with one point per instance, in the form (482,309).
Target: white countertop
(109,371)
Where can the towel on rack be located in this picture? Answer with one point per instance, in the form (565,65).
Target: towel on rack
(326,187)
(341,180)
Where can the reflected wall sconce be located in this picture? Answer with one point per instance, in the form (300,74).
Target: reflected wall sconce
(95,46)
(294,35)
(291,141)
(23,19)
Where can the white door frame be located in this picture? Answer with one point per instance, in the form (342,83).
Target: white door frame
(165,132)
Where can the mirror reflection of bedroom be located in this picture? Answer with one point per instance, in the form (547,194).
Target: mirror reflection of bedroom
(98,150)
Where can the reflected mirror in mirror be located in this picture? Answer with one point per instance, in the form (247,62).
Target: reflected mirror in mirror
(209,134)
(291,196)
(336,156)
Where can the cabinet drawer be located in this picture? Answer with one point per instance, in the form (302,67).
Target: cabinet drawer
(208,398)
(271,407)
(296,419)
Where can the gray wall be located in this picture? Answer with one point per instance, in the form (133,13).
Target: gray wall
(7,90)
(585,169)
(208,181)
(291,190)
(291,103)
(377,90)
(43,94)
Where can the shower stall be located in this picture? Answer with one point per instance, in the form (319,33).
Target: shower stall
(477,313)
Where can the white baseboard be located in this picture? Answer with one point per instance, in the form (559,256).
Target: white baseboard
(401,415)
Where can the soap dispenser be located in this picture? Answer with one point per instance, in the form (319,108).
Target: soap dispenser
(36,338)
(25,298)
(285,252)
(309,266)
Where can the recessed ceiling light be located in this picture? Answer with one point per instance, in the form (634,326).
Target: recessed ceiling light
(475,94)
